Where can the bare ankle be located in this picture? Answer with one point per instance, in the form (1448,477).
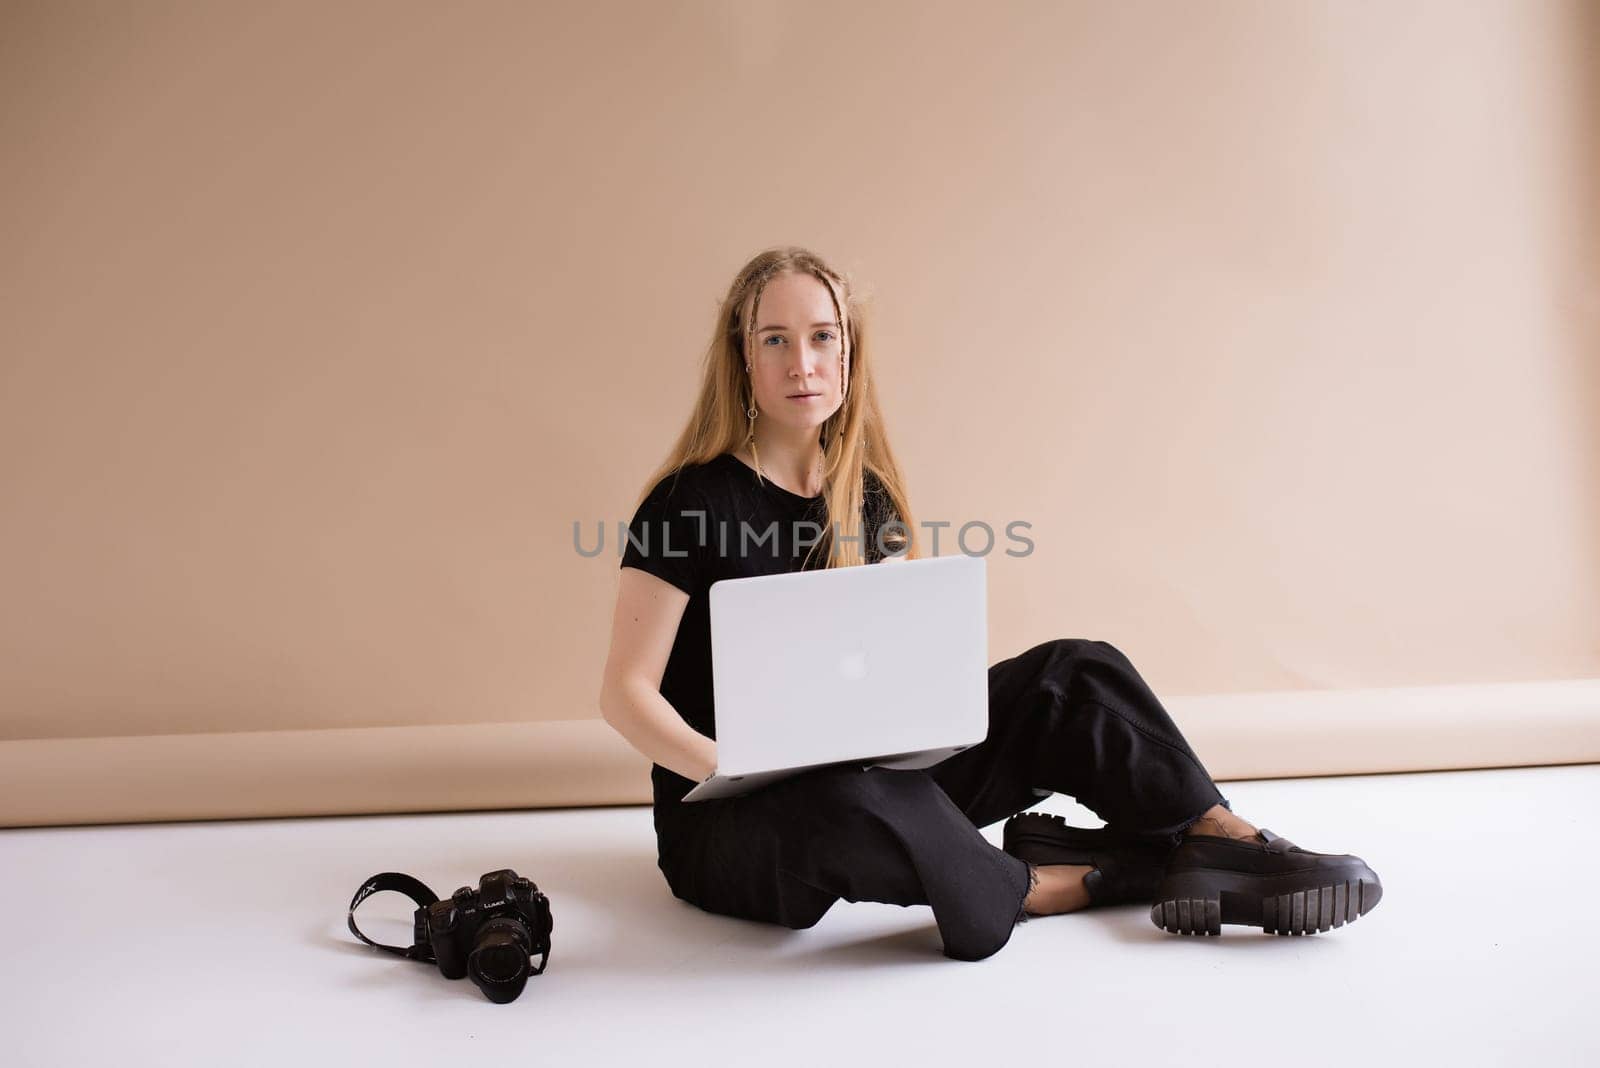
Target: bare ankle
(1059,889)
(1222,823)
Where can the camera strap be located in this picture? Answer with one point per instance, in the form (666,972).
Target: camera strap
(417,891)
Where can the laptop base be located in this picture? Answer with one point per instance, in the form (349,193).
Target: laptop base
(720,785)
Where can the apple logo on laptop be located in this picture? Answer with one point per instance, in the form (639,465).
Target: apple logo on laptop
(854,665)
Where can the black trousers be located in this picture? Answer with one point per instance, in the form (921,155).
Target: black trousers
(1068,716)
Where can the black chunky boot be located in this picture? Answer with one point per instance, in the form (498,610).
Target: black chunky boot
(1266,882)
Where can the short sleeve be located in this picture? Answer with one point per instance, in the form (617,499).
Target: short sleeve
(666,536)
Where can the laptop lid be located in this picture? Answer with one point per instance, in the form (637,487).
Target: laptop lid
(839,664)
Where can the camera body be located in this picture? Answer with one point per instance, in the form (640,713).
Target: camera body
(489,933)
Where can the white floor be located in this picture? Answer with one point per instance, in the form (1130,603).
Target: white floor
(205,943)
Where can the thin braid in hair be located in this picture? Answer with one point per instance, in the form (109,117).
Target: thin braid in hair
(759,283)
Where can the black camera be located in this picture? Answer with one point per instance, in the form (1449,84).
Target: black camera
(490,934)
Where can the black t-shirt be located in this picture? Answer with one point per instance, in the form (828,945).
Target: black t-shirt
(714,521)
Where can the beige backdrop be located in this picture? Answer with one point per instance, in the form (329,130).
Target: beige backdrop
(322,324)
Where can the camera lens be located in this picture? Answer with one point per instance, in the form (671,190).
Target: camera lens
(500,964)
(499,960)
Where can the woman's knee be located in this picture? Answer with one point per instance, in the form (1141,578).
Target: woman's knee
(1083,647)
(1062,655)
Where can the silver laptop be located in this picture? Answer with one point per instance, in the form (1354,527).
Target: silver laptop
(883,665)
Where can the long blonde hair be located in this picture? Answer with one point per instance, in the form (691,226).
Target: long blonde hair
(853,439)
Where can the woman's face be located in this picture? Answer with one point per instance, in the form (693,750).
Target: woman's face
(796,349)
